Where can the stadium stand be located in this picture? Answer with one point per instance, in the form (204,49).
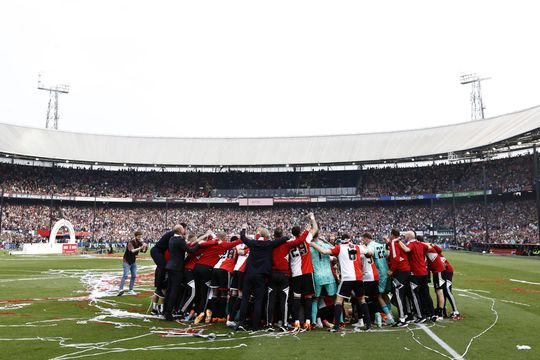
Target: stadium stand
(442,181)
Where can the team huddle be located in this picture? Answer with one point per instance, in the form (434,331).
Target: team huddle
(301,282)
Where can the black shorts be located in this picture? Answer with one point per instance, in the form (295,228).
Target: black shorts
(237,280)
(371,288)
(303,285)
(447,276)
(202,274)
(221,279)
(346,288)
(278,281)
(188,276)
(438,280)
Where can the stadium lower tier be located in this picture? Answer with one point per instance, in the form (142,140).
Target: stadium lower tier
(508,221)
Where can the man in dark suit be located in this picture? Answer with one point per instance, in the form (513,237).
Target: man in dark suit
(175,268)
(258,268)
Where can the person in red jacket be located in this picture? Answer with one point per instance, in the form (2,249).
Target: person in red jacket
(436,266)
(417,251)
(447,275)
(400,271)
(189,279)
(221,281)
(203,275)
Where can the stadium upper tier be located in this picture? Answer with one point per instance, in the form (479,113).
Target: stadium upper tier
(336,149)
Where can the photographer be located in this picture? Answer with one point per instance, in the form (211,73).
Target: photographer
(128,262)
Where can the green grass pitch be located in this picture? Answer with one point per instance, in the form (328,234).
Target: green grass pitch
(46,313)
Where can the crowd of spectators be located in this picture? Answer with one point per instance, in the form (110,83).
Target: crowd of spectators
(84,182)
(141,184)
(508,221)
(501,175)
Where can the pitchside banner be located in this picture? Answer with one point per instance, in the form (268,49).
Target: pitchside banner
(464,193)
(69,248)
(211,200)
(256,202)
(292,200)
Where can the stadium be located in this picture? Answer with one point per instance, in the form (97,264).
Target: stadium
(470,194)
(275,180)
(445,188)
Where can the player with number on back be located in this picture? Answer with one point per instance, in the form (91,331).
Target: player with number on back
(350,263)
(237,282)
(302,281)
(221,281)
(278,284)
(380,254)
(370,277)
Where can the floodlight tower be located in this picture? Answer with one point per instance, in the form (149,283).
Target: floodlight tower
(477,106)
(52,109)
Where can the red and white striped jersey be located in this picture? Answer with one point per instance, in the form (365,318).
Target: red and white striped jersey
(369,269)
(227,260)
(280,254)
(300,258)
(241,259)
(350,261)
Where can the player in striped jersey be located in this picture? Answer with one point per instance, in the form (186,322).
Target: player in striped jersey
(205,269)
(221,281)
(278,283)
(380,254)
(302,275)
(370,276)
(350,263)
(236,284)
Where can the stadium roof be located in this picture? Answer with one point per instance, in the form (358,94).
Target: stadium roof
(335,149)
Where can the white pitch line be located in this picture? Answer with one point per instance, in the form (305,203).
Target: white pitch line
(525,282)
(441,342)
(489,327)
(469,296)
(31,279)
(514,302)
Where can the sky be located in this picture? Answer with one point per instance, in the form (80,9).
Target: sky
(264,68)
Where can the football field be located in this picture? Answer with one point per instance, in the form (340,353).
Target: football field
(63,307)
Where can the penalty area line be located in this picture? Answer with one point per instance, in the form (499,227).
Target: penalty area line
(441,342)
